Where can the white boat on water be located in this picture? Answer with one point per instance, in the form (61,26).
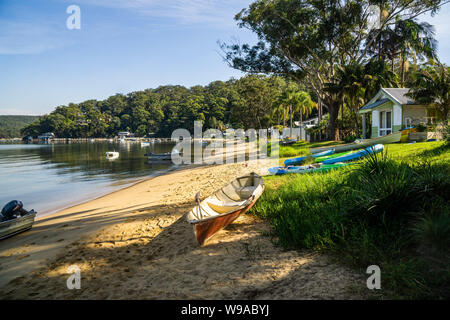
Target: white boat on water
(111,155)
(145,144)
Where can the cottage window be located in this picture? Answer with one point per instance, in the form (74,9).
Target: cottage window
(385,123)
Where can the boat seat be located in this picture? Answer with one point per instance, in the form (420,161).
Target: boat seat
(246,192)
(205,211)
(224,206)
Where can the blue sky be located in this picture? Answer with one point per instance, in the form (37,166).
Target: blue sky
(122,46)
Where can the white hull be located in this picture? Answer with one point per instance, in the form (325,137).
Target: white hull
(112,155)
(359,144)
(14,226)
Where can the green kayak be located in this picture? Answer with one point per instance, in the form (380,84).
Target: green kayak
(332,156)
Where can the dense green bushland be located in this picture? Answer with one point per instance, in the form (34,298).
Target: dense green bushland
(390,210)
(10,126)
(250,102)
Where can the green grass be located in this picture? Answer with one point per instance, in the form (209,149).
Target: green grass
(391,210)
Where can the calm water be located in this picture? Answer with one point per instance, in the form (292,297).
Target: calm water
(49,177)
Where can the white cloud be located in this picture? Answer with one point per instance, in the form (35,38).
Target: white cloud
(29,37)
(33,35)
(218,12)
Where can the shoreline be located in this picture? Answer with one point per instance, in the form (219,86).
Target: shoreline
(106,193)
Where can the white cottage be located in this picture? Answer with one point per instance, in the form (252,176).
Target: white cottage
(392,110)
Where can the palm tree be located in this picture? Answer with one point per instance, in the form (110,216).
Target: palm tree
(284,103)
(408,39)
(349,84)
(279,108)
(377,76)
(302,103)
(416,41)
(432,86)
(355,84)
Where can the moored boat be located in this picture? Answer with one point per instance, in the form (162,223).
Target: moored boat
(167,156)
(111,155)
(224,206)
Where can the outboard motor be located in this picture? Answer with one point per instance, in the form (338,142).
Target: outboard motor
(13,210)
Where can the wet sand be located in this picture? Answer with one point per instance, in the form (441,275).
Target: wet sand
(136,244)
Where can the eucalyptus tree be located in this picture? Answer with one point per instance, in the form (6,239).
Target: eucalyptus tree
(307,39)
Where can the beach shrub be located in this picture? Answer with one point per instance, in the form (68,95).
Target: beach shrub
(432,228)
(350,138)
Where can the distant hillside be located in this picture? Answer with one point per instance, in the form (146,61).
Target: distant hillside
(10,125)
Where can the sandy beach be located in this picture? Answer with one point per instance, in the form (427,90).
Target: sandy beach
(136,244)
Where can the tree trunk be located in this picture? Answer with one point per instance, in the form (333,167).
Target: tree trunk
(356,123)
(403,72)
(284,118)
(290,113)
(319,109)
(333,111)
(301,124)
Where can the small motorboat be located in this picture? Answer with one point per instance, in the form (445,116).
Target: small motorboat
(111,155)
(15,219)
(167,156)
(224,206)
(288,142)
(145,144)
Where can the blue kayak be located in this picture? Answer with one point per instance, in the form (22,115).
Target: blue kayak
(294,161)
(356,155)
(306,169)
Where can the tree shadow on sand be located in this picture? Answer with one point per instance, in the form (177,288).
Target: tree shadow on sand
(155,256)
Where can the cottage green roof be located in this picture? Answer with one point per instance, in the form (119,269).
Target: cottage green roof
(375,104)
